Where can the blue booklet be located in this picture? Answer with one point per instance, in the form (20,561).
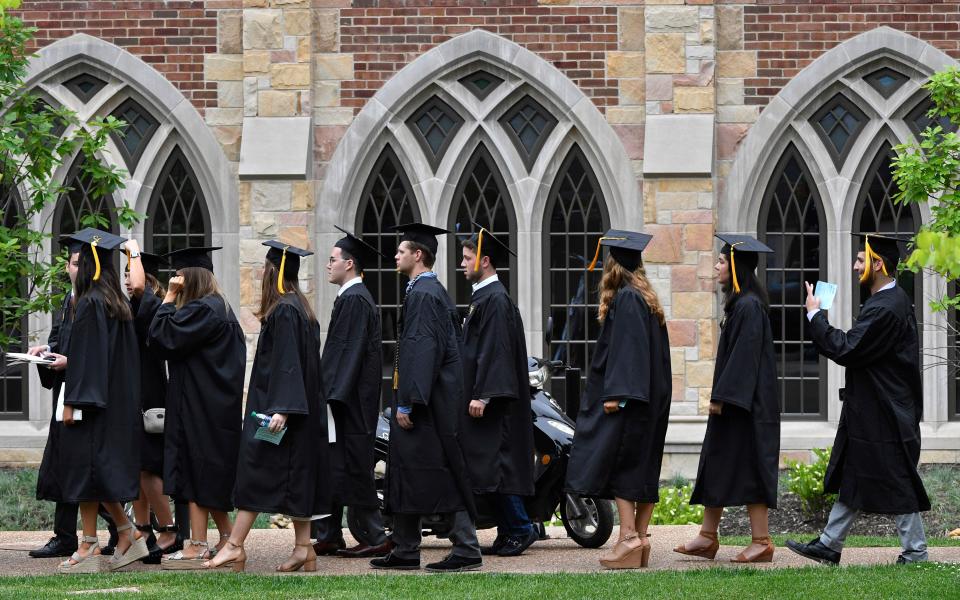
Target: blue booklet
(826,292)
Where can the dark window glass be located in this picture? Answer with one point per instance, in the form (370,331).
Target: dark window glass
(84,86)
(140,127)
(387,201)
(528,124)
(434,125)
(481,83)
(13,380)
(79,201)
(576,218)
(838,123)
(481,197)
(790,223)
(177,217)
(886,81)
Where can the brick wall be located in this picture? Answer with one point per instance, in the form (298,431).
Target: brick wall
(788,37)
(172,36)
(575,39)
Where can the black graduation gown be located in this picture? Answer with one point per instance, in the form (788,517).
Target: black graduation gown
(291,477)
(619,454)
(98,458)
(426,472)
(351,366)
(153,379)
(741,449)
(206,356)
(48,486)
(873,466)
(498,446)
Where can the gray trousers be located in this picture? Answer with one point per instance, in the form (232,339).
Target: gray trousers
(909,527)
(407,535)
(368,521)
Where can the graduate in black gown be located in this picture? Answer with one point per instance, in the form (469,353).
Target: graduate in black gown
(64,540)
(98,460)
(622,424)
(351,366)
(426,471)
(290,475)
(873,466)
(497,424)
(146,295)
(196,331)
(741,449)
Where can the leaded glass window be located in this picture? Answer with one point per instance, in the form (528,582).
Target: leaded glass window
(387,200)
(919,118)
(839,123)
(140,127)
(13,380)
(434,125)
(528,124)
(79,201)
(177,216)
(575,219)
(84,86)
(790,223)
(481,197)
(886,81)
(481,83)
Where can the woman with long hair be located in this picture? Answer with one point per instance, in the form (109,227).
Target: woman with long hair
(196,331)
(98,460)
(284,475)
(741,448)
(618,446)
(146,294)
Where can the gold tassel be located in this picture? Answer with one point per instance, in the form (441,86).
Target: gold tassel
(476,263)
(596,256)
(396,379)
(733,268)
(96,259)
(283,263)
(870,256)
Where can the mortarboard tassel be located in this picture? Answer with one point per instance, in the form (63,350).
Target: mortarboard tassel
(733,268)
(871,256)
(96,259)
(596,256)
(476,263)
(283,263)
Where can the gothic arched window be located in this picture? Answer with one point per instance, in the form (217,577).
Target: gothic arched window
(13,380)
(80,201)
(387,200)
(481,197)
(575,219)
(791,222)
(177,215)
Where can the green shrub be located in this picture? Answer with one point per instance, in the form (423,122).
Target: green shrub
(806,481)
(674,507)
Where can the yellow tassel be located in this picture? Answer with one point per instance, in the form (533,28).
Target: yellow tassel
(396,379)
(96,259)
(476,263)
(283,263)
(733,268)
(870,256)
(596,256)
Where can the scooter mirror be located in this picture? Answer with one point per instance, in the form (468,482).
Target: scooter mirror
(548,334)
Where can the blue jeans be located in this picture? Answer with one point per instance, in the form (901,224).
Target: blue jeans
(510,515)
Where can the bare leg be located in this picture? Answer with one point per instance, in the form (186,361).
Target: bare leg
(644,514)
(88,522)
(302,549)
(120,518)
(151,486)
(198,531)
(224,526)
(759,527)
(141,506)
(627,510)
(233,550)
(711,523)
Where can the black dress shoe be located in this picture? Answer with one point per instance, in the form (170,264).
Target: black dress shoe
(328,548)
(365,551)
(55,547)
(393,562)
(516,544)
(455,564)
(498,543)
(815,550)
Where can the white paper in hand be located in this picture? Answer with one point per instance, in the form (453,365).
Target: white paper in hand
(826,292)
(58,417)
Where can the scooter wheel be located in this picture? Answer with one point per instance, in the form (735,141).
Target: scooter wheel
(588,521)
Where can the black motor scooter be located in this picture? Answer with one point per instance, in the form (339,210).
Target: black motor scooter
(588,521)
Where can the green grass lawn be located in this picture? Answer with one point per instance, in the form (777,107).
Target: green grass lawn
(918,581)
(854,541)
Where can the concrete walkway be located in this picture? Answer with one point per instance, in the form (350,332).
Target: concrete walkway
(266,548)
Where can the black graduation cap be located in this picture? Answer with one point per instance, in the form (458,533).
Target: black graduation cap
(286,258)
(98,240)
(497,250)
(420,233)
(192,257)
(151,263)
(626,247)
(362,251)
(734,244)
(883,245)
